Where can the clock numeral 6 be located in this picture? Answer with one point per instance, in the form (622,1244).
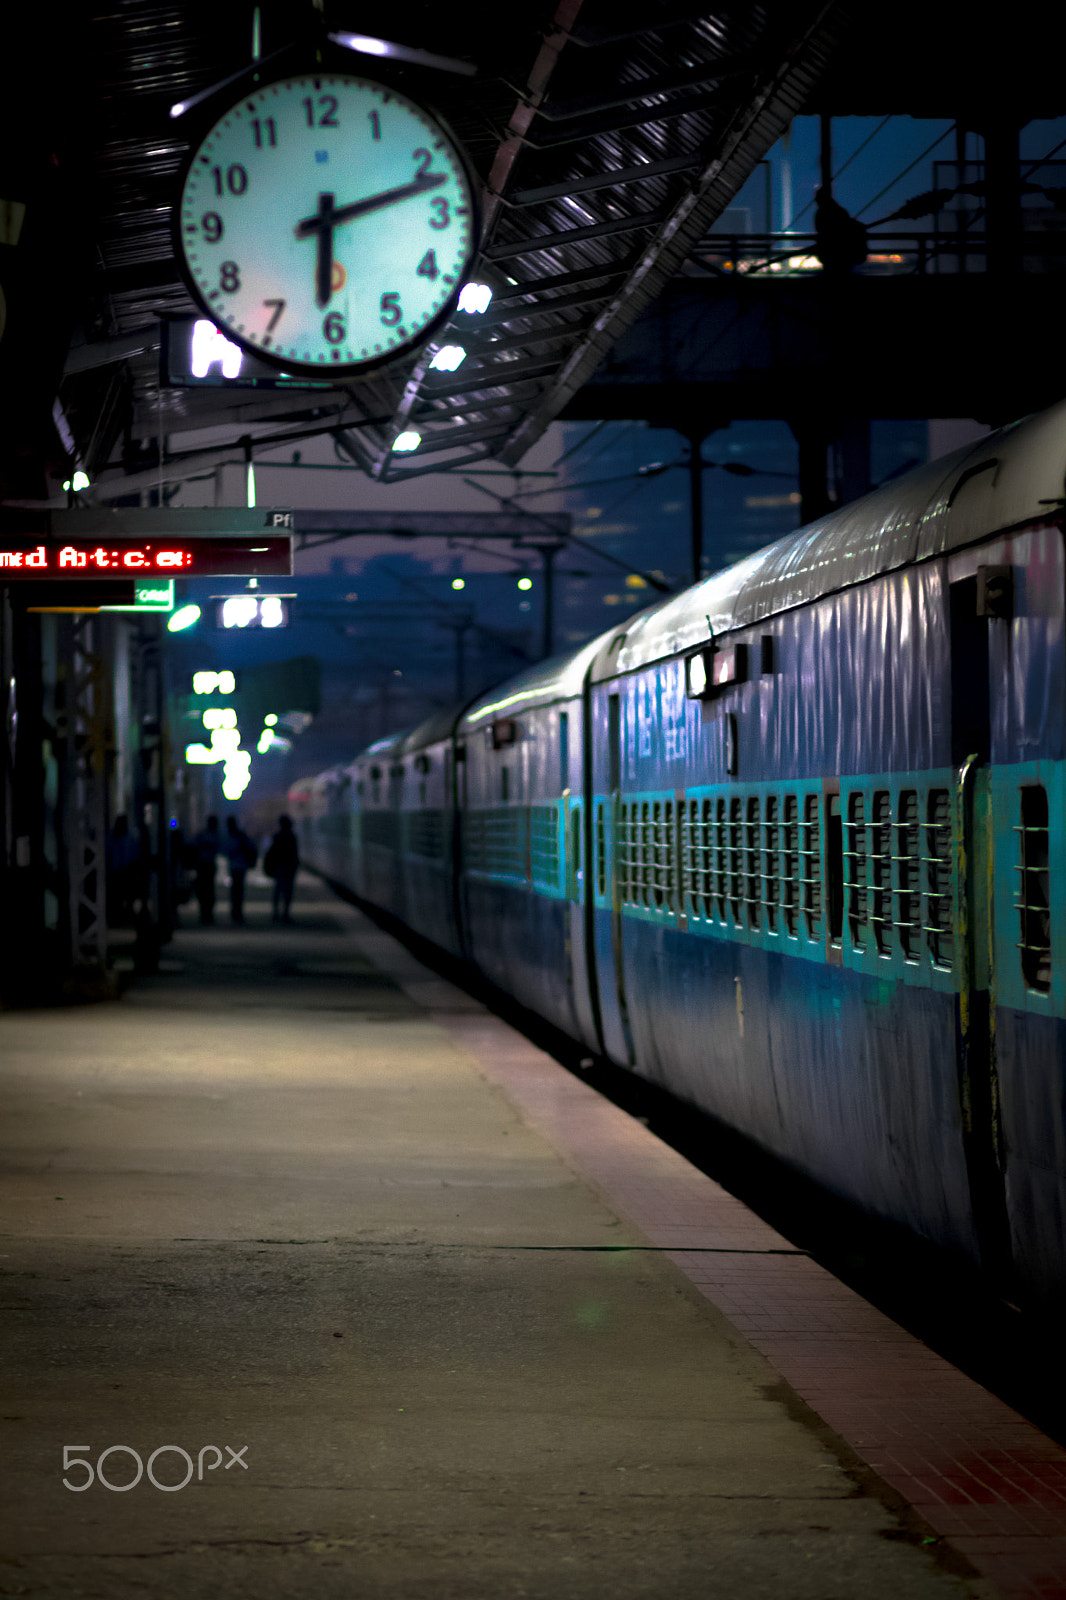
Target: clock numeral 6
(229,277)
(390,310)
(333,328)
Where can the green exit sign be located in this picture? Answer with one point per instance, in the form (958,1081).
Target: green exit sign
(149,594)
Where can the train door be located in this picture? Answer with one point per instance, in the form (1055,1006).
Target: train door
(971,748)
(610,833)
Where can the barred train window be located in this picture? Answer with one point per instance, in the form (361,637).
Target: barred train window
(721,859)
(938,853)
(855,871)
(881,870)
(1034,897)
(790,864)
(770,863)
(736,857)
(622,859)
(752,863)
(908,896)
(811,857)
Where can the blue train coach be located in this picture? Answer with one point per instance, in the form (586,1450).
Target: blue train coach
(791,845)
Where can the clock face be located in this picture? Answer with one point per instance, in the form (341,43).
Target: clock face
(326,223)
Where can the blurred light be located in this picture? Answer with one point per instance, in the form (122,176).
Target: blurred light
(458,583)
(227,683)
(270,741)
(475,297)
(239,610)
(525,583)
(184,617)
(408,440)
(199,755)
(271,612)
(447,358)
(80,480)
(270,719)
(225,741)
(210,345)
(635,581)
(220,717)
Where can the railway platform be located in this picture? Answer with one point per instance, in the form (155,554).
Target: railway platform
(322,1281)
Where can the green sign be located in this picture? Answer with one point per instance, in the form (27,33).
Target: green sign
(149,594)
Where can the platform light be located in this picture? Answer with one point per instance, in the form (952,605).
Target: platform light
(475,298)
(226,741)
(408,440)
(448,358)
(80,480)
(201,755)
(458,583)
(220,717)
(525,583)
(183,618)
(239,610)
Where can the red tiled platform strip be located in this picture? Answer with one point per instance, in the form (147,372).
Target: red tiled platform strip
(980,1475)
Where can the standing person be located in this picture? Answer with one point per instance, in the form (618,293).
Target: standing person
(280,863)
(205,848)
(241,854)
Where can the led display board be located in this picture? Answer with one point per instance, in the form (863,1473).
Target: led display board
(197,355)
(145,543)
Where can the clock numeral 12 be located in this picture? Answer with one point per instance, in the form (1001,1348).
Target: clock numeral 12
(327,107)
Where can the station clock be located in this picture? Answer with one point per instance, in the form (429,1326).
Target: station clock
(326,223)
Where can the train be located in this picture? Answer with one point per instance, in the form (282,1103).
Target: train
(790,845)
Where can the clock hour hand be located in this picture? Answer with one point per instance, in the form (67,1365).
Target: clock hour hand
(324,224)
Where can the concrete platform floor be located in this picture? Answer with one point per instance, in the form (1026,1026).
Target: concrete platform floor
(273,1202)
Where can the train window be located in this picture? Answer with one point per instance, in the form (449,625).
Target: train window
(601,851)
(665,857)
(721,859)
(564,750)
(855,891)
(622,874)
(938,878)
(770,862)
(645,869)
(544,846)
(752,863)
(736,857)
(811,865)
(1034,898)
(505,783)
(881,870)
(705,857)
(790,864)
(908,879)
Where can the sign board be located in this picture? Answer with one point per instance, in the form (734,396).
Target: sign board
(149,594)
(197,355)
(139,544)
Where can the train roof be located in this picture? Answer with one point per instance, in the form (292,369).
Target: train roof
(558,678)
(1013,476)
(435,729)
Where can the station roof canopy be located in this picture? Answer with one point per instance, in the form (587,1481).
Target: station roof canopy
(607,136)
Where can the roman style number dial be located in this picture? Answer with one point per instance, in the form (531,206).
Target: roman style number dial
(326,222)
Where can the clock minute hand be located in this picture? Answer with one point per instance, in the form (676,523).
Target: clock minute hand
(326,218)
